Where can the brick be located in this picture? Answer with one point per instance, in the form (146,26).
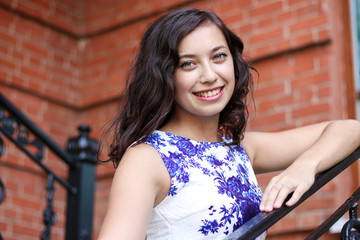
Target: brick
(37,50)
(304,62)
(269,119)
(266,9)
(276,102)
(25,230)
(264,51)
(30,9)
(267,35)
(7,3)
(323,35)
(8,39)
(19,55)
(304,95)
(310,80)
(27,203)
(284,16)
(6,18)
(38,33)
(33,73)
(287,67)
(233,18)
(227,6)
(3,50)
(309,221)
(313,109)
(10,213)
(244,28)
(44,5)
(283,45)
(265,22)
(308,23)
(32,217)
(18,81)
(323,56)
(324,92)
(270,90)
(318,204)
(5,62)
(304,39)
(3,227)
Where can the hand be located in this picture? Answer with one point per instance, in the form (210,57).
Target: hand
(296,179)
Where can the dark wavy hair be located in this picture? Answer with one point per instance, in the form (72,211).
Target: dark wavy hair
(149,98)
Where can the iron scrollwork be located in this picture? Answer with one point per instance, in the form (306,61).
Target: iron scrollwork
(351,229)
(49,215)
(20,135)
(81,160)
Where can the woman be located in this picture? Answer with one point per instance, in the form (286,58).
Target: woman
(185,165)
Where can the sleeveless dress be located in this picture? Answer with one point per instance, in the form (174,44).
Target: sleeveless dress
(213,189)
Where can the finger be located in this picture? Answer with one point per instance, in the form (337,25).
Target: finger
(269,187)
(295,197)
(269,197)
(283,193)
(265,196)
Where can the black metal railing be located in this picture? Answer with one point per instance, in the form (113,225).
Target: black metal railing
(263,221)
(80,157)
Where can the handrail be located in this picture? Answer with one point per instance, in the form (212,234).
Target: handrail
(72,189)
(37,132)
(263,221)
(348,205)
(80,156)
(42,139)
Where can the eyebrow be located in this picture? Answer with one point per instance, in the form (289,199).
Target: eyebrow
(193,55)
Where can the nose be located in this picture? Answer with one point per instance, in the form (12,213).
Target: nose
(208,74)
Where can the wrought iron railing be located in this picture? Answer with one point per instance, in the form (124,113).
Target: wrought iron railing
(263,221)
(80,156)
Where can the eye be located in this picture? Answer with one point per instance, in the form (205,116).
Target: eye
(220,57)
(187,65)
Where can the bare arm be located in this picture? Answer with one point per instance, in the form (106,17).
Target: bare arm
(303,153)
(140,182)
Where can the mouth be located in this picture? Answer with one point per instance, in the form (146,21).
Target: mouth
(209,93)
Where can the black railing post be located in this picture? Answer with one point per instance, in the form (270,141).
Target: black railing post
(79,217)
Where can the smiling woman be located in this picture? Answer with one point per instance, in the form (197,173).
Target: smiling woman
(204,79)
(185,165)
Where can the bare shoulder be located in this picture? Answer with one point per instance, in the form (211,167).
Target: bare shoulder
(140,182)
(249,143)
(141,159)
(143,165)
(140,153)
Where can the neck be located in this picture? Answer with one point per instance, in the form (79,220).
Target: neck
(197,128)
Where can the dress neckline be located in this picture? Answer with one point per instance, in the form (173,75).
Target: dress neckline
(224,140)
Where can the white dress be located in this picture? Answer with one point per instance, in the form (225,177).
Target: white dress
(213,189)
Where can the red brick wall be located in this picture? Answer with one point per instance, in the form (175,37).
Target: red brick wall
(63,63)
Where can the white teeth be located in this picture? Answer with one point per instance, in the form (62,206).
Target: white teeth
(209,93)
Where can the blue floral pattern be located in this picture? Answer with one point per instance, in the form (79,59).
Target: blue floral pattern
(213,176)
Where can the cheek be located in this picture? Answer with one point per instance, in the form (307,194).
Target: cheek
(229,73)
(184,81)
(181,87)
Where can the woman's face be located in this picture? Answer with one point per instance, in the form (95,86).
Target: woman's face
(204,78)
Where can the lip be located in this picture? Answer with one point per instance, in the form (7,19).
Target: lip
(212,98)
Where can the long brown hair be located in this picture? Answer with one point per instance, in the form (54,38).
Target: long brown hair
(149,97)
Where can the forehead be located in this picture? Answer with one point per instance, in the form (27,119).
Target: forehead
(203,36)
